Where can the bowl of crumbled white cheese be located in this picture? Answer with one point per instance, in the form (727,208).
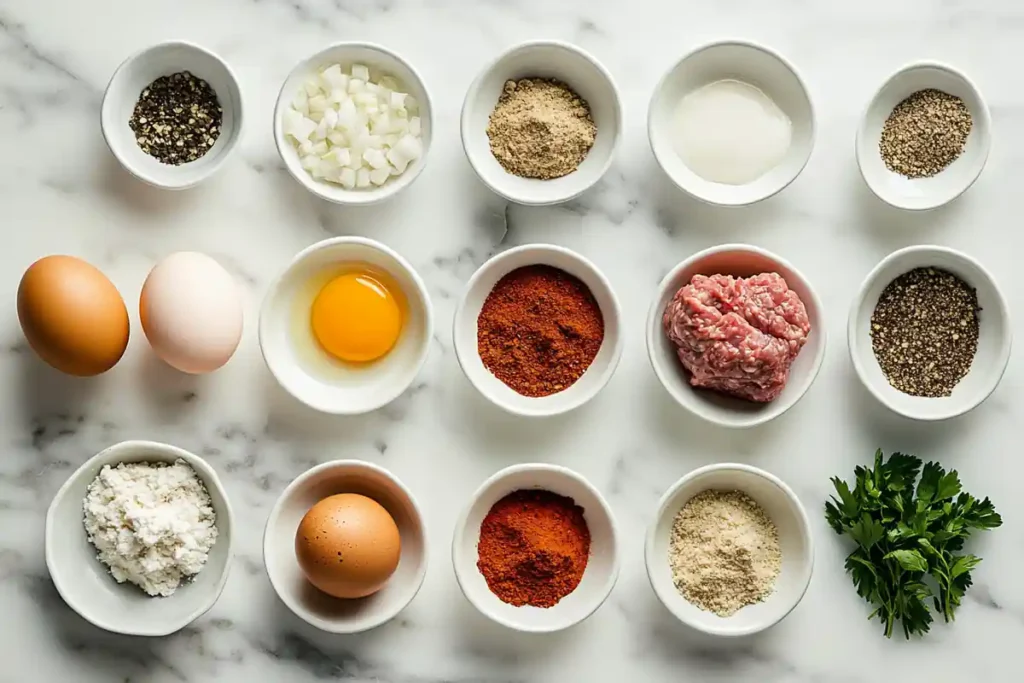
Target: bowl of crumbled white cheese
(138,539)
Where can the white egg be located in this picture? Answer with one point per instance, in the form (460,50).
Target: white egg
(191,312)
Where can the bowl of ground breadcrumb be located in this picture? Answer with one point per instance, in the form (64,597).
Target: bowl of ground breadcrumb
(730,551)
(138,539)
(541,123)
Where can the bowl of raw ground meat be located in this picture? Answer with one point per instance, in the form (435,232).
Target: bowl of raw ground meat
(736,335)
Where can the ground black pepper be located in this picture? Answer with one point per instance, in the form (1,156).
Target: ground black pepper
(177,118)
(924,331)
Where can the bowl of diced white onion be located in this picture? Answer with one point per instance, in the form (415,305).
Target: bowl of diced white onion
(353,123)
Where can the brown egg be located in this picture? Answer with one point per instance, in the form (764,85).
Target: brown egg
(348,545)
(72,315)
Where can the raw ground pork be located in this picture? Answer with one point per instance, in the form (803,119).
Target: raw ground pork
(738,335)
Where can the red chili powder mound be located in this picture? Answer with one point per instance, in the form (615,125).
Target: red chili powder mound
(539,330)
(533,549)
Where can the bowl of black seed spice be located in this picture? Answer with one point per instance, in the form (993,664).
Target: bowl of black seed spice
(172,114)
(924,138)
(929,333)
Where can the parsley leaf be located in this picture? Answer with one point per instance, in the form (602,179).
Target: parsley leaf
(904,534)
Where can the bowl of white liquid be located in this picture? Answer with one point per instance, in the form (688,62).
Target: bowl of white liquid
(731,123)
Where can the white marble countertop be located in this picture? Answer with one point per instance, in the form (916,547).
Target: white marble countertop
(61,191)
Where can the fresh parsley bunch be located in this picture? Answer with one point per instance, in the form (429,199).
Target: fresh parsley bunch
(904,535)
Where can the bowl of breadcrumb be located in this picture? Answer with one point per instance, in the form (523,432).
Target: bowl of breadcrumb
(730,551)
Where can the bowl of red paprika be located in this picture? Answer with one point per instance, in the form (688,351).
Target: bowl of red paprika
(536,550)
(537,331)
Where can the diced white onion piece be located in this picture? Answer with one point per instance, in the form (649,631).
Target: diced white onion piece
(343,156)
(398,160)
(321,130)
(373,141)
(301,102)
(348,178)
(361,72)
(355,161)
(332,77)
(409,147)
(347,115)
(411,103)
(309,162)
(306,147)
(414,126)
(390,140)
(330,118)
(336,137)
(337,96)
(356,85)
(363,177)
(398,100)
(320,148)
(317,103)
(298,126)
(365,98)
(312,88)
(380,124)
(375,158)
(379,176)
(388,82)
(316,116)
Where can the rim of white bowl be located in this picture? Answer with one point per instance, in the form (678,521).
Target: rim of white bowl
(338,194)
(616,313)
(275,512)
(210,480)
(212,168)
(984,114)
(272,293)
(474,87)
(559,470)
(853,335)
(805,532)
(653,328)
(738,42)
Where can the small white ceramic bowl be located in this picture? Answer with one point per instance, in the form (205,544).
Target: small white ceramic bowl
(994,339)
(944,187)
(602,567)
(739,260)
(381,62)
(464,331)
(328,613)
(86,584)
(542,59)
(295,358)
(749,63)
(779,503)
(123,91)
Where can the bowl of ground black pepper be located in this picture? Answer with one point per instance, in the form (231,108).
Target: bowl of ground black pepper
(536,550)
(924,138)
(537,331)
(541,123)
(929,333)
(172,114)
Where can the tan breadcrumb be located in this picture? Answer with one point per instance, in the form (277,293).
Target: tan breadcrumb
(724,552)
(540,129)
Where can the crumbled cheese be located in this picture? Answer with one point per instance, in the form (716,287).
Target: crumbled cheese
(152,524)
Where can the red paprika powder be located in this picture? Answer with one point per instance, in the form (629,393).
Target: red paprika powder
(539,330)
(533,549)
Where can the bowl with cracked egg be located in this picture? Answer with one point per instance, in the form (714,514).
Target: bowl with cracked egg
(729,551)
(80,540)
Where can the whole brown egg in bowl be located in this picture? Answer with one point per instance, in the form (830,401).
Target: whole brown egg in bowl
(735,335)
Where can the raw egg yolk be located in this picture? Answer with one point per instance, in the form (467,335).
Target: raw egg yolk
(355,318)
